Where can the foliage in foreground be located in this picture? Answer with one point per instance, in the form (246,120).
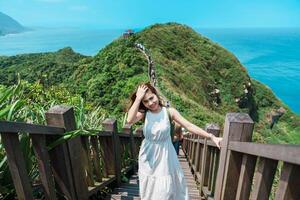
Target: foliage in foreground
(27,102)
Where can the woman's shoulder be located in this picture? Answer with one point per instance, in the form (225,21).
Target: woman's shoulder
(171,110)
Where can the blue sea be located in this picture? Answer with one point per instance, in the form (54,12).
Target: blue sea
(271,56)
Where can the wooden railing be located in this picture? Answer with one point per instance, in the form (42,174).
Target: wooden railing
(78,168)
(242,169)
(81,167)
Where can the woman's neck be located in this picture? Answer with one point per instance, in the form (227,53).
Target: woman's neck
(159,108)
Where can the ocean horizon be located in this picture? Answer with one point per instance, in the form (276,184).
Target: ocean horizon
(271,55)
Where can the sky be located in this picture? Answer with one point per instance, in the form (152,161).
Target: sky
(104,14)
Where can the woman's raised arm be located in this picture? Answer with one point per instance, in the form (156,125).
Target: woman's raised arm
(133,114)
(193,128)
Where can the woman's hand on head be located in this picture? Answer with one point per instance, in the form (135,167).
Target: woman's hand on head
(217,141)
(141,91)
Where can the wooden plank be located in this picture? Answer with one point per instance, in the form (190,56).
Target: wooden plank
(42,156)
(123,135)
(212,186)
(122,147)
(96,158)
(111,125)
(197,158)
(107,154)
(284,152)
(288,187)
(17,127)
(61,168)
(101,185)
(231,176)
(133,154)
(263,178)
(193,156)
(211,144)
(190,148)
(87,164)
(16,165)
(203,165)
(104,134)
(246,176)
(207,166)
(211,167)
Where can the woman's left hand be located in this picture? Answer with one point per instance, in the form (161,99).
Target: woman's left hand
(217,141)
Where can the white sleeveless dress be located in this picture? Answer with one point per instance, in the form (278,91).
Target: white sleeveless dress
(160,173)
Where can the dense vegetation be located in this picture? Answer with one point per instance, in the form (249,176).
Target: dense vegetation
(190,68)
(28,102)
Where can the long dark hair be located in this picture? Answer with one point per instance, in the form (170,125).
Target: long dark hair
(143,108)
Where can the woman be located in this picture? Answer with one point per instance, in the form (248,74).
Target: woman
(160,173)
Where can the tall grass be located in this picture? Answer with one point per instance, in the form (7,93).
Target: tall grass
(28,103)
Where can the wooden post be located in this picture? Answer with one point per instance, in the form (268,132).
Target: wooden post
(213,128)
(16,165)
(128,129)
(67,157)
(238,127)
(110,125)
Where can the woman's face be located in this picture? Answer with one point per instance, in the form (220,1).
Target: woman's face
(151,101)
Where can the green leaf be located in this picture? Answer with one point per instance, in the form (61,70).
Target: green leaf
(3,161)
(14,108)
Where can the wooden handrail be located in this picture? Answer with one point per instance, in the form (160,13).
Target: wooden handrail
(245,170)
(223,174)
(17,127)
(201,141)
(281,152)
(80,167)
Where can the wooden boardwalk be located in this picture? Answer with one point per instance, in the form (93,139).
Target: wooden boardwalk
(130,191)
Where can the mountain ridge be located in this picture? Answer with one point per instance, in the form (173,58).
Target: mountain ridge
(9,25)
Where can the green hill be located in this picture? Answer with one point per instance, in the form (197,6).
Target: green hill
(9,25)
(49,68)
(202,79)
